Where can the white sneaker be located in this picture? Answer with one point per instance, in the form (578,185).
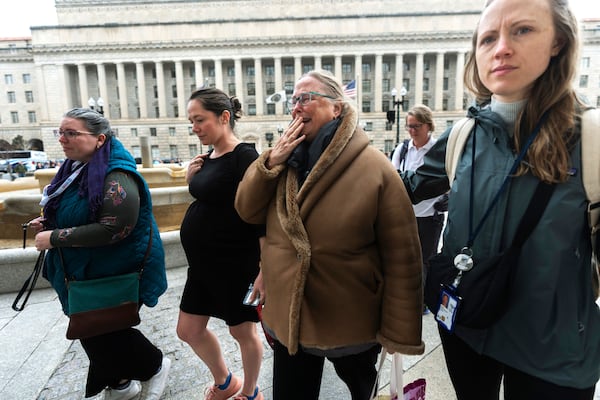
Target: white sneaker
(123,394)
(155,386)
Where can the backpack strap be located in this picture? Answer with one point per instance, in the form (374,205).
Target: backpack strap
(590,165)
(456,142)
(403,151)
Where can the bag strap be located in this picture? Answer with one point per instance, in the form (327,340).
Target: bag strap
(384,354)
(403,151)
(29,283)
(533,213)
(456,143)
(590,165)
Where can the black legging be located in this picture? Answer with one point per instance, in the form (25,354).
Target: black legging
(115,356)
(298,377)
(478,377)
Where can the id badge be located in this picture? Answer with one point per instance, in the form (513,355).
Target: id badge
(448,307)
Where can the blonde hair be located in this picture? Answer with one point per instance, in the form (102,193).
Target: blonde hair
(552,92)
(423,114)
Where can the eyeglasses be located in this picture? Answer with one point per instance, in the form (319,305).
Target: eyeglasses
(413,126)
(305,98)
(70,133)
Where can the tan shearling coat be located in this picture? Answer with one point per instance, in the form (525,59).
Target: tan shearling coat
(341,261)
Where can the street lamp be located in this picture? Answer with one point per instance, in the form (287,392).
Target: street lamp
(96,103)
(397,104)
(269,137)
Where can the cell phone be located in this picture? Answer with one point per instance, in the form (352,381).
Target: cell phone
(247,301)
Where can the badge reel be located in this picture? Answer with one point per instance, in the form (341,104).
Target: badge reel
(449,301)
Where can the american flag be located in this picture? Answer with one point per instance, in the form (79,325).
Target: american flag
(350,89)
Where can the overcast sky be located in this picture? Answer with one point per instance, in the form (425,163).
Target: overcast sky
(18,15)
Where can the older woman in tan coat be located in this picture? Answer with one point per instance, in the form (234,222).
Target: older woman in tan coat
(341,262)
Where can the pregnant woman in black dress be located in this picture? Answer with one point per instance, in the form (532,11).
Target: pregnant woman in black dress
(223,252)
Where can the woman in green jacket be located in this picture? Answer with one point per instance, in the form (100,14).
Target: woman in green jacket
(547,344)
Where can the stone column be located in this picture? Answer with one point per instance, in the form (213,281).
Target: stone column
(146,151)
(399,74)
(258,87)
(218,73)
(103,89)
(181,94)
(123,98)
(279,107)
(439,82)
(239,81)
(358,71)
(160,86)
(459,89)
(418,98)
(317,62)
(141,83)
(338,66)
(297,68)
(83,85)
(198,74)
(378,94)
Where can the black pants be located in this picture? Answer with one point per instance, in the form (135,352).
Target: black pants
(115,356)
(298,377)
(478,377)
(430,229)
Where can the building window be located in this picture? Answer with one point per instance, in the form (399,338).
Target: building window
(192,72)
(445,104)
(174,90)
(306,68)
(211,71)
(385,105)
(271,109)
(26,78)
(134,132)
(8,79)
(406,66)
(366,68)
(288,69)
(328,67)
(250,71)
(251,109)
(445,83)
(14,116)
(231,89)
(583,81)
(368,126)
(155,91)
(190,131)
(449,123)
(388,146)
(192,149)
(426,65)
(172,131)
(598,101)
(136,152)
(446,63)
(366,85)
(12,98)
(157,112)
(289,87)
(230,71)
(426,102)
(585,62)
(385,85)
(155,151)
(29,96)
(152,131)
(173,152)
(386,67)
(366,106)
(192,88)
(425,84)
(406,83)
(31,116)
(270,87)
(346,68)
(269,70)
(251,88)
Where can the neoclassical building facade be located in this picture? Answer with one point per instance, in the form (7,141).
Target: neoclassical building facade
(144,58)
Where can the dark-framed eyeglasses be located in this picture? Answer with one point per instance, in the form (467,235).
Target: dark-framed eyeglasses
(70,133)
(414,126)
(305,98)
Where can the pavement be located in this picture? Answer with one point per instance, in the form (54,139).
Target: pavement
(38,362)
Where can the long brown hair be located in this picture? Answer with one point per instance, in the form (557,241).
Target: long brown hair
(548,156)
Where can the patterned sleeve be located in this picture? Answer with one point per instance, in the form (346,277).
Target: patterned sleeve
(116,220)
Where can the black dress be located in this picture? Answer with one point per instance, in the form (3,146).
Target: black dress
(222,251)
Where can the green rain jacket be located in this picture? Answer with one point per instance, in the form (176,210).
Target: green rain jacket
(552,327)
